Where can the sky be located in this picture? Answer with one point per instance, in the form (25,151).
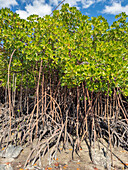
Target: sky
(93,8)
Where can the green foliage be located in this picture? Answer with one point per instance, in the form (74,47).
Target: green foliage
(64,42)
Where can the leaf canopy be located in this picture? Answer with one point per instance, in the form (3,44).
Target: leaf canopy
(67,43)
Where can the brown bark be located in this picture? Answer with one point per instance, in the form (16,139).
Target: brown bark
(9,91)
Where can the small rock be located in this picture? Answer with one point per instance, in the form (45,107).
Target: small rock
(16,151)
(11,152)
(100,157)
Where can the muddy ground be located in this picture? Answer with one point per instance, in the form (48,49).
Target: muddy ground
(99,153)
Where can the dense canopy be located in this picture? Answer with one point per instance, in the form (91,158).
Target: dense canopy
(69,43)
